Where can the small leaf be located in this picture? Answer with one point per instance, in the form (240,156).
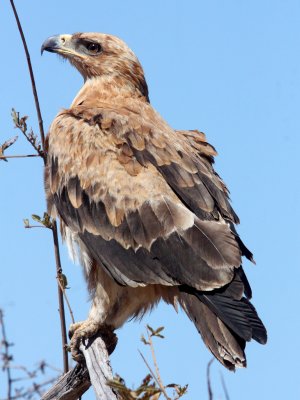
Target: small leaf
(144,340)
(160,336)
(63,281)
(46,221)
(36,218)
(151,330)
(26,223)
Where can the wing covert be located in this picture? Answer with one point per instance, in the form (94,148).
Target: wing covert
(143,199)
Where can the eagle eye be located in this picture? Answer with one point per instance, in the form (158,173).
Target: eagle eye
(93,48)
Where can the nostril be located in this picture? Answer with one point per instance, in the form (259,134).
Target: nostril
(63,40)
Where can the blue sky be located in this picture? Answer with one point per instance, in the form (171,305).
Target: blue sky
(229,68)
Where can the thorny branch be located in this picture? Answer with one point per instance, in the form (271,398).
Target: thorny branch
(41,152)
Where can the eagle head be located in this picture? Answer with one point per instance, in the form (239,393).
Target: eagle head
(97,55)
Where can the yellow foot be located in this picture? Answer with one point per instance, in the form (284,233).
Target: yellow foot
(87,329)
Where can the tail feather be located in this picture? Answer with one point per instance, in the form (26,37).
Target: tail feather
(225,345)
(239,315)
(225,319)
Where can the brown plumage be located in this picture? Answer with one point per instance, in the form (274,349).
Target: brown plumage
(142,205)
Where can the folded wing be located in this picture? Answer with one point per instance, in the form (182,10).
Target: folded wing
(143,198)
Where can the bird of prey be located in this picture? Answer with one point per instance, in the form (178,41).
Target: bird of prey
(142,206)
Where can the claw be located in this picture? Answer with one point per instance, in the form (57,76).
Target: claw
(73,328)
(87,329)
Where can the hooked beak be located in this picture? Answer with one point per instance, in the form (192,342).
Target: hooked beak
(60,44)
(52,44)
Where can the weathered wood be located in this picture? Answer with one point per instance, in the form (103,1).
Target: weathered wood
(97,362)
(70,386)
(73,384)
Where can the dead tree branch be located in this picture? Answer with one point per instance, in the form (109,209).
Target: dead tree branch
(77,381)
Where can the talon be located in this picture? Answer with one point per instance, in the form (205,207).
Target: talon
(79,331)
(87,329)
(110,339)
(73,328)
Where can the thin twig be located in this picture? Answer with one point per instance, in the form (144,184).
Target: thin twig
(20,156)
(41,367)
(35,389)
(36,99)
(54,230)
(66,299)
(224,386)
(6,145)
(7,356)
(154,376)
(161,385)
(60,298)
(150,369)
(35,226)
(210,393)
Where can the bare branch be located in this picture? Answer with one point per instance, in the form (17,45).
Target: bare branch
(159,379)
(97,361)
(36,99)
(224,387)
(28,393)
(6,356)
(150,370)
(19,156)
(210,393)
(77,381)
(54,228)
(21,124)
(70,386)
(60,297)
(63,289)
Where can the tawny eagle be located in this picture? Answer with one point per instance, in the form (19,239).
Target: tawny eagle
(143,206)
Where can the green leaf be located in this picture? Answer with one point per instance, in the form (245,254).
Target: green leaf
(151,330)
(36,218)
(160,336)
(63,280)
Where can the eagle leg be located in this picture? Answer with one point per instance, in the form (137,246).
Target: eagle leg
(80,331)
